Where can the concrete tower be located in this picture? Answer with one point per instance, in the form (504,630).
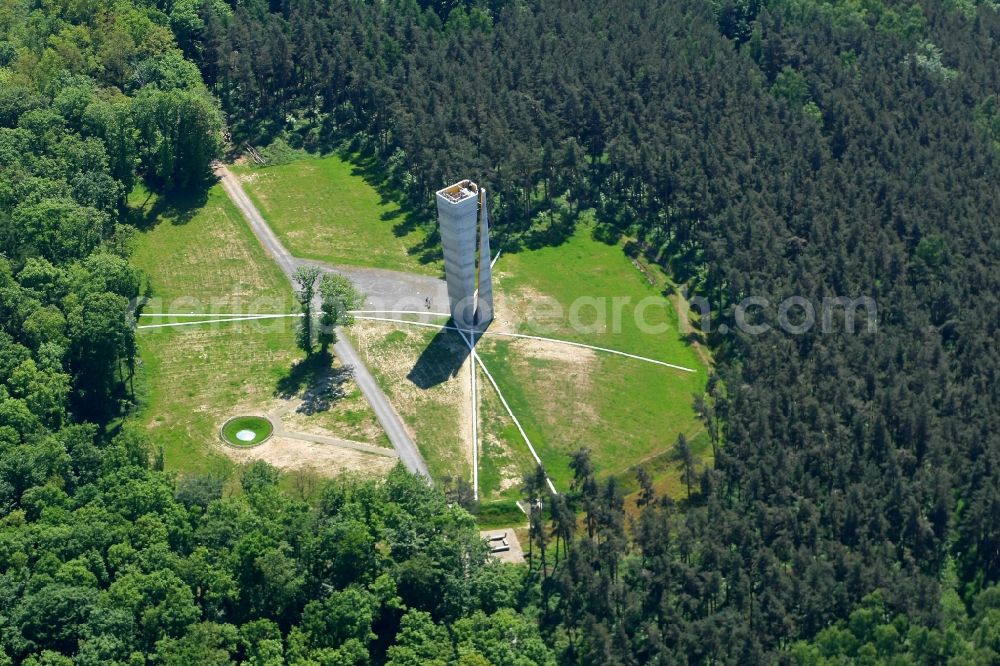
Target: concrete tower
(484,305)
(461,213)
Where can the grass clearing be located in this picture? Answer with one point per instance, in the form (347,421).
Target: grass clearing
(504,459)
(193,378)
(588,291)
(350,417)
(582,290)
(323,208)
(499,514)
(200,256)
(626,411)
(666,471)
(321,397)
(307,462)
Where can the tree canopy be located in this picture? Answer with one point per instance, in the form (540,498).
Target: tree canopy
(771,148)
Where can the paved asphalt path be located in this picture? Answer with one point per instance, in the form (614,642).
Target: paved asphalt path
(384,411)
(392,291)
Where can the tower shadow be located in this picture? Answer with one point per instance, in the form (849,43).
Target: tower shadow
(441,359)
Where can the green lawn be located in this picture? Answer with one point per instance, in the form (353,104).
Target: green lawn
(503,457)
(550,285)
(322,208)
(626,411)
(201,257)
(256,428)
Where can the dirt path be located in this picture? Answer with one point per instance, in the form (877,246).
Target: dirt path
(404,445)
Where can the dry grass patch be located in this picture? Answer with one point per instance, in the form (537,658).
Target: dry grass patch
(417,369)
(624,410)
(562,378)
(350,417)
(323,459)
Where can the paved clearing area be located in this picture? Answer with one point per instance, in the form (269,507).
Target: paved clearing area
(513,556)
(392,291)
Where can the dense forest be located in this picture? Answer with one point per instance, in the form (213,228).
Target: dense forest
(104,557)
(814,148)
(753,147)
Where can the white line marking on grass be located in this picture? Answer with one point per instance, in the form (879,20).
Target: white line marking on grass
(496,257)
(586,346)
(496,388)
(524,435)
(538,337)
(235,317)
(513,418)
(493,382)
(475,418)
(215,321)
(212,314)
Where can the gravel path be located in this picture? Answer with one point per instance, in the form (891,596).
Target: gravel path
(382,288)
